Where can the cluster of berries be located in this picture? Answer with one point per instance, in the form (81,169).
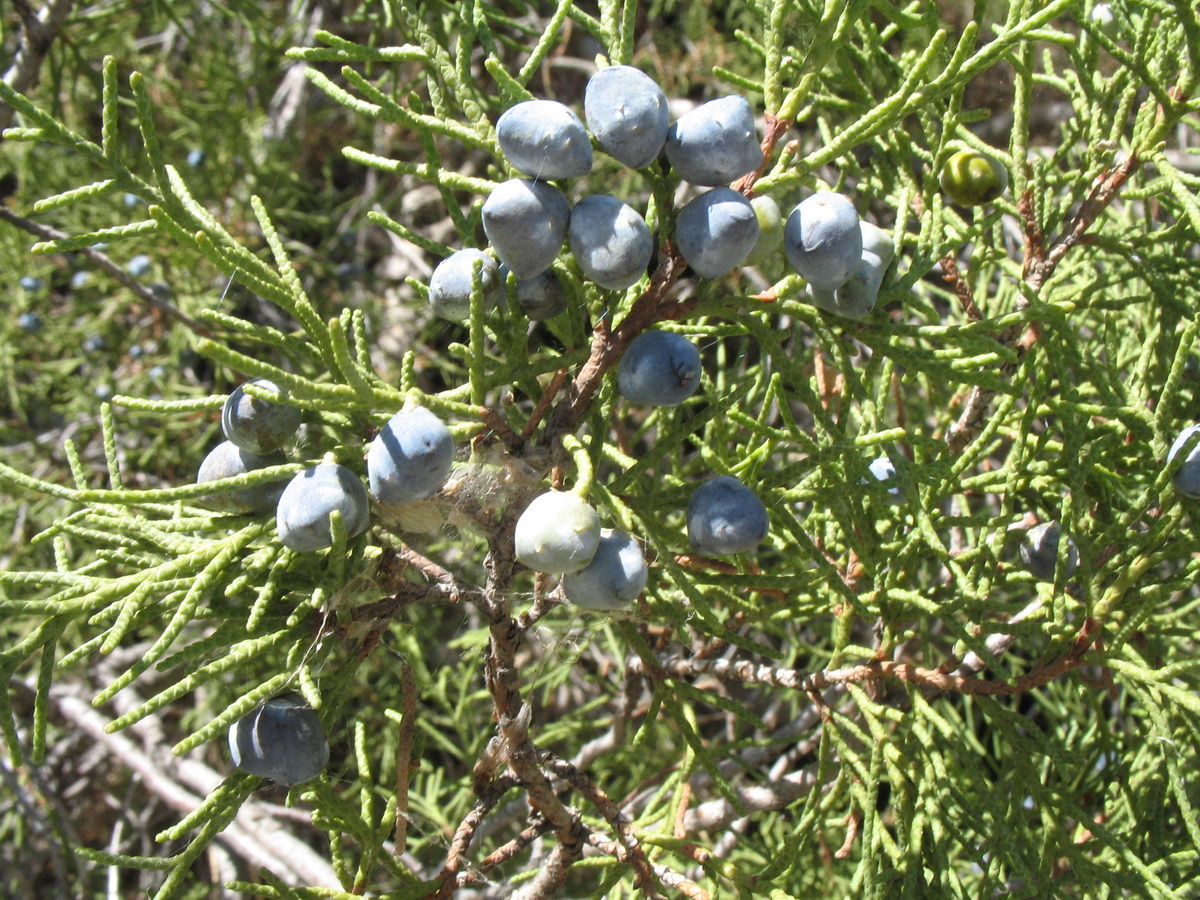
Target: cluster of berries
(407,461)
(527,222)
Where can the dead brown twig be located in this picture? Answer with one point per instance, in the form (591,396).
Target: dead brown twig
(955,279)
(404,749)
(38,31)
(632,853)
(753,673)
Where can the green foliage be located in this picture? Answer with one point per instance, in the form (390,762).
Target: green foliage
(879,702)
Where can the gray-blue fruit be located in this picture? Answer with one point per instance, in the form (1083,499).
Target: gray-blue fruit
(659,368)
(453,278)
(884,471)
(1187,477)
(716,231)
(139,265)
(227,460)
(1039,551)
(541,297)
(614,577)
(715,142)
(29,322)
(857,297)
(877,240)
(610,240)
(627,112)
(557,533)
(410,457)
(526,223)
(725,517)
(823,241)
(544,139)
(282,740)
(259,426)
(302,517)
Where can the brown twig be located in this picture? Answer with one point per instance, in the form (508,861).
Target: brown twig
(954,278)
(38,31)
(853,823)
(489,797)
(776,128)
(666,876)
(498,425)
(504,853)
(556,868)
(607,346)
(685,798)
(390,571)
(819,372)
(1104,190)
(753,673)
(427,567)
(543,404)
(708,564)
(633,854)
(1035,241)
(404,748)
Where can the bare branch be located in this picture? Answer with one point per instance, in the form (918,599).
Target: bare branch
(38,33)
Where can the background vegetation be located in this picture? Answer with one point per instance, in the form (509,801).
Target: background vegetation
(880,702)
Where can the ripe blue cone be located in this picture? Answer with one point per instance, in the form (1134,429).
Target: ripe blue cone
(884,471)
(659,368)
(282,740)
(454,277)
(302,517)
(823,241)
(725,517)
(857,297)
(259,426)
(610,241)
(614,577)
(545,140)
(716,231)
(541,297)
(715,143)
(526,223)
(1187,477)
(410,457)
(627,112)
(228,460)
(1039,551)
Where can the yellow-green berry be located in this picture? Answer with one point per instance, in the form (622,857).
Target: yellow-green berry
(971,178)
